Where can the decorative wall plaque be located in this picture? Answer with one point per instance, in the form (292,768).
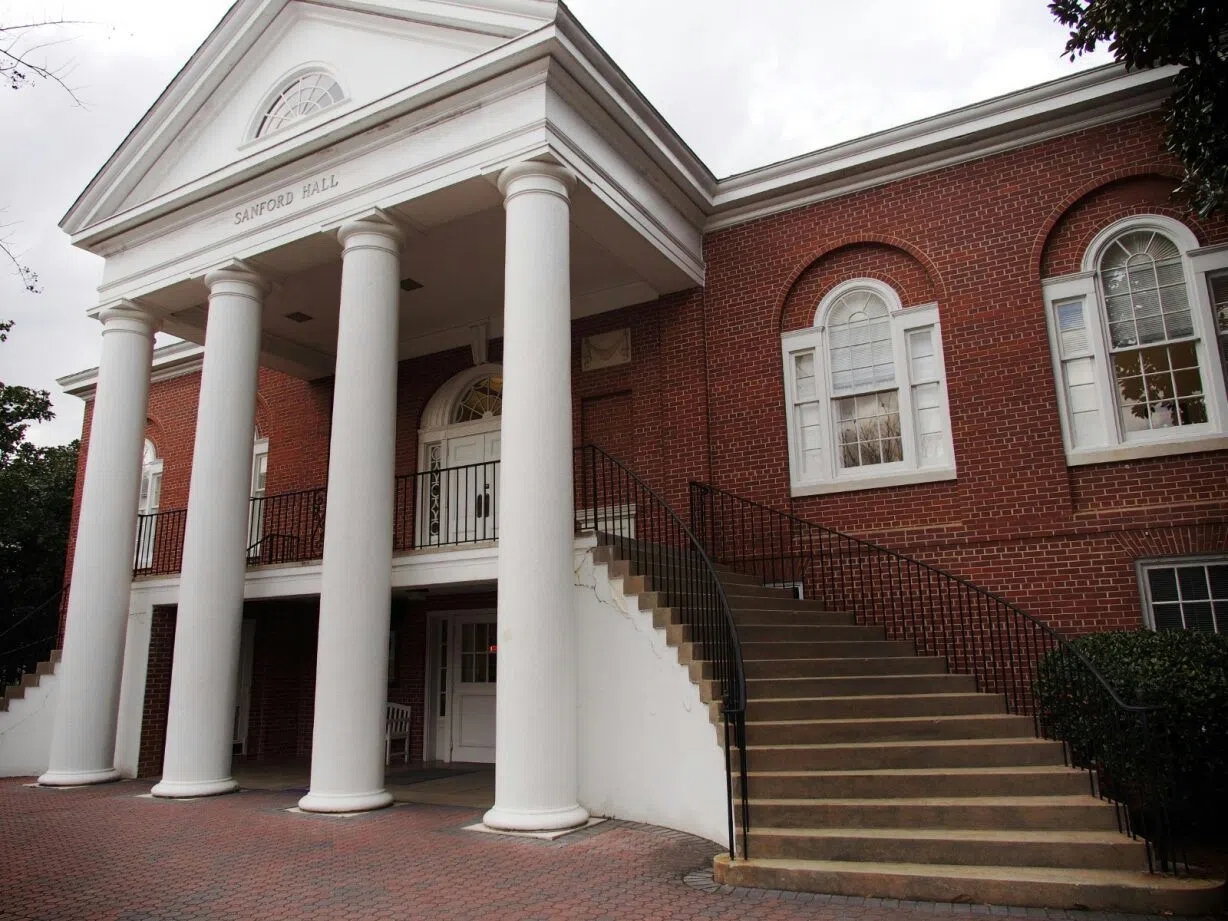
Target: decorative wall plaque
(605,350)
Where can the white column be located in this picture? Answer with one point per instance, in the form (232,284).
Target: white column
(204,670)
(347,747)
(83,740)
(535,709)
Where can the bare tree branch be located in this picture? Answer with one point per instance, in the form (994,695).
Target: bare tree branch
(18,66)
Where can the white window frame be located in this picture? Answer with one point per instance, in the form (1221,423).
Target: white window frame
(151,485)
(831,478)
(1106,442)
(255,509)
(1144,584)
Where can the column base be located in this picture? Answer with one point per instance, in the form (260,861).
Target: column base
(535,820)
(184,789)
(345,802)
(77,778)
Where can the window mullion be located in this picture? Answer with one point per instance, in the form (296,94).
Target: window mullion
(909,449)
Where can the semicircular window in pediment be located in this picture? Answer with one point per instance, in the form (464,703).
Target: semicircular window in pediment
(303,96)
(483,399)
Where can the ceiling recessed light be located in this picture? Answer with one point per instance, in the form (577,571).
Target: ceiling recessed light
(408,284)
(299,317)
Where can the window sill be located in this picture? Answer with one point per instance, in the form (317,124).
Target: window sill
(1127,452)
(878,482)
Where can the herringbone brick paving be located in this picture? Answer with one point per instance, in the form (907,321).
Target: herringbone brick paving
(109,854)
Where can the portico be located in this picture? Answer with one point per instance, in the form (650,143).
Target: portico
(499,198)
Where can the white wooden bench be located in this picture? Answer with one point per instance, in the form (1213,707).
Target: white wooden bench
(396,729)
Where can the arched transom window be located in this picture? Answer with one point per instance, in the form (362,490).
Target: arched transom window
(1138,339)
(483,399)
(1151,331)
(867,394)
(303,96)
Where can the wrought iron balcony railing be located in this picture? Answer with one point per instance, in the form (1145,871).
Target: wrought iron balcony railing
(446,507)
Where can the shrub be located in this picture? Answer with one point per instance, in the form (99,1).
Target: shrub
(1183,673)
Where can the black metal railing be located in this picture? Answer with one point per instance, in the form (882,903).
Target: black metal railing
(159,542)
(629,515)
(27,637)
(447,507)
(286,527)
(1122,745)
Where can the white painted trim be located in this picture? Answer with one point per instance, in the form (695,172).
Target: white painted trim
(1116,445)
(1081,457)
(169,361)
(1102,95)
(1181,234)
(903,478)
(437,414)
(1160,562)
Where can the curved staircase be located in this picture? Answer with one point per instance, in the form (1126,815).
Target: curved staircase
(872,771)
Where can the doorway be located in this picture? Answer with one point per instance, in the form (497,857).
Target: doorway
(465,677)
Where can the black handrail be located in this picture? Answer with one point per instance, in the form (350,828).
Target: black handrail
(447,506)
(628,514)
(976,631)
(29,638)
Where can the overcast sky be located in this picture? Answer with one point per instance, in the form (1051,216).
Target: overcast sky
(744,83)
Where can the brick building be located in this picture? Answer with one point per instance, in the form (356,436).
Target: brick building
(989,340)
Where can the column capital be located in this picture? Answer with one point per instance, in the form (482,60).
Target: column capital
(128,316)
(536,176)
(375,230)
(236,277)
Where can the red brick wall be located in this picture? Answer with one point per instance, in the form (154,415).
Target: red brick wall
(705,393)
(975,237)
(157,692)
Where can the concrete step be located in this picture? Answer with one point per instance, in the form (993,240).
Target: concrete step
(888,729)
(870,706)
(857,686)
(1059,813)
(754,617)
(1100,850)
(807,633)
(1043,780)
(839,649)
(772,599)
(1043,887)
(802,666)
(877,756)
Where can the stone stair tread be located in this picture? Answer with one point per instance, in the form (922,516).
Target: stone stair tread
(1125,878)
(921,772)
(957,834)
(900,743)
(866,698)
(951,718)
(1075,799)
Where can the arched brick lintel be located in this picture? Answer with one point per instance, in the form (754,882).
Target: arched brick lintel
(817,254)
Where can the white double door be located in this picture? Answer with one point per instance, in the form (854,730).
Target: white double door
(470,489)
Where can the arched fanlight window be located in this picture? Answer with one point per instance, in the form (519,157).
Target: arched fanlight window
(1151,333)
(483,399)
(302,97)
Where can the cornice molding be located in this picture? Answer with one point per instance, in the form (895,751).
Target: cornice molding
(169,361)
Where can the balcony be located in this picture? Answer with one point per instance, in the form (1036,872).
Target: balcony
(446,507)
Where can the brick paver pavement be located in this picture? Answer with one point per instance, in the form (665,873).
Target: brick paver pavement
(108,853)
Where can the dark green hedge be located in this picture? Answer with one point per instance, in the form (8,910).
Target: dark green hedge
(1186,675)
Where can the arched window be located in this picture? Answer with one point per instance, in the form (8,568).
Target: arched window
(483,399)
(867,393)
(1137,343)
(147,506)
(303,96)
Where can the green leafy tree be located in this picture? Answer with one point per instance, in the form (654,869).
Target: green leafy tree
(1153,33)
(36,492)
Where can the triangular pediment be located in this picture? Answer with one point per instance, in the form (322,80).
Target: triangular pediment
(210,117)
